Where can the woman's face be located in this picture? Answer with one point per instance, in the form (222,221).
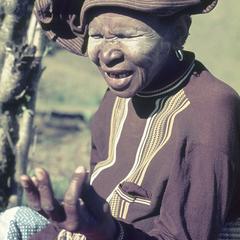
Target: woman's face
(129,49)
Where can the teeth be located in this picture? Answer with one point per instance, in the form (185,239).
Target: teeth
(121,75)
(112,75)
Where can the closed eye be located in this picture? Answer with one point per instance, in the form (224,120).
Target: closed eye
(122,36)
(96,36)
(119,36)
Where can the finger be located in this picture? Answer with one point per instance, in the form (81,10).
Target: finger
(73,225)
(49,204)
(35,181)
(74,191)
(31,191)
(45,189)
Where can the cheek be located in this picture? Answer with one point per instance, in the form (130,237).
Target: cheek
(159,57)
(93,50)
(143,52)
(154,56)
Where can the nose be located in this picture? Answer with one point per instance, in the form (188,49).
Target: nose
(111,56)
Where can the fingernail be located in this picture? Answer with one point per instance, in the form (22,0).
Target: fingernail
(80,169)
(35,181)
(24,177)
(24,181)
(39,173)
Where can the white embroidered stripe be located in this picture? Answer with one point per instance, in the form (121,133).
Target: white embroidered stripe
(160,133)
(154,140)
(147,141)
(156,134)
(114,138)
(132,199)
(135,163)
(144,138)
(170,122)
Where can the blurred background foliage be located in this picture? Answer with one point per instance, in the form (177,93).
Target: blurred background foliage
(72,84)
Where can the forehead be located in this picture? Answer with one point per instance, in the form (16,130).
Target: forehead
(122,18)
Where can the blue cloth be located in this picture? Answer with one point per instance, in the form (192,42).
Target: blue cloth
(20,223)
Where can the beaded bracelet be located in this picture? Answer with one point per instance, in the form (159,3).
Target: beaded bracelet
(65,235)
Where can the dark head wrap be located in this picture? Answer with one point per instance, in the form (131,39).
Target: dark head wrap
(64,21)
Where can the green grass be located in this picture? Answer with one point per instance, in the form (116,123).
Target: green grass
(215,38)
(71,84)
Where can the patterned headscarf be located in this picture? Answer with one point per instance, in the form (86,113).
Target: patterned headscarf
(65,21)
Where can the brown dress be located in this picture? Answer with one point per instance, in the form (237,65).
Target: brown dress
(167,161)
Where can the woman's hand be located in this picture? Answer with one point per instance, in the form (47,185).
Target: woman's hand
(81,211)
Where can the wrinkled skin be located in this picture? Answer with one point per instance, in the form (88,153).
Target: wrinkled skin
(91,218)
(130,50)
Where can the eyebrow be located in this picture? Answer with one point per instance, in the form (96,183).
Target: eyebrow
(125,29)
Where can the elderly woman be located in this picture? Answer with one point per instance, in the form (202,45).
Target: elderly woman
(165,139)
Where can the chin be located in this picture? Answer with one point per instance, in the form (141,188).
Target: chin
(124,94)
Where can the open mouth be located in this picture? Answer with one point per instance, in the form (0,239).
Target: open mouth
(119,80)
(119,75)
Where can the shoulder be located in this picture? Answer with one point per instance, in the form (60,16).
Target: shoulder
(204,89)
(213,116)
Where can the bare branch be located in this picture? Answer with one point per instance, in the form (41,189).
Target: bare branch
(21,53)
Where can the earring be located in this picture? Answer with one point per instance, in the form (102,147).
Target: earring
(179,55)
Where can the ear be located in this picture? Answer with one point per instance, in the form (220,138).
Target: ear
(181,31)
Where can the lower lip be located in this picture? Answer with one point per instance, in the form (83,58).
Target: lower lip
(118,84)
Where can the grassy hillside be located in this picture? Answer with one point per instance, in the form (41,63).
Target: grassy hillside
(215,38)
(72,84)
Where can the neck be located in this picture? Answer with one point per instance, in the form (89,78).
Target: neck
(171,71)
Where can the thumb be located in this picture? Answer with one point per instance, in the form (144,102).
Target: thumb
(71,199)
(75,188)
